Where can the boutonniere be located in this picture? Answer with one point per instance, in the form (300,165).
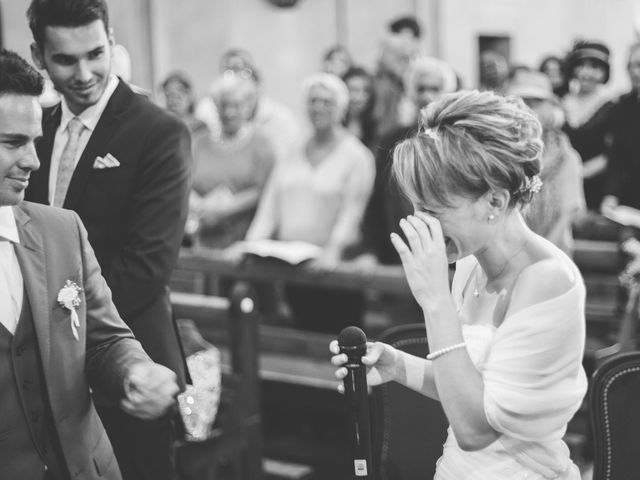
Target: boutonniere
(69,298)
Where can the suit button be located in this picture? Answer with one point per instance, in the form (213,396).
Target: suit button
(26,384)
(35,416)
(19,351)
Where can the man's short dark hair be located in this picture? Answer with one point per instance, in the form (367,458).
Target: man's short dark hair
(409,23)
(17,76)
(64,13)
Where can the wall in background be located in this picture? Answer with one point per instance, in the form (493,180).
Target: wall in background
(287,44)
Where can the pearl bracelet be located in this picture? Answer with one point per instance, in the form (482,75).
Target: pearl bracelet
(442,351)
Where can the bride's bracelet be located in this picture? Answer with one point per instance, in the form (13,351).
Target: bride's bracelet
(445,350)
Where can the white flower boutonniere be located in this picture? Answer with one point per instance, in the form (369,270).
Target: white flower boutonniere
(69,298)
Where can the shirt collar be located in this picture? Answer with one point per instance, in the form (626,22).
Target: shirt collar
(8,227)
(90,116)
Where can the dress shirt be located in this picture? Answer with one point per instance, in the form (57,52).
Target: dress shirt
(11,282)
(89,118)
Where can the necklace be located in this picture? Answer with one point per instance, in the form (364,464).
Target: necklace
(477,290)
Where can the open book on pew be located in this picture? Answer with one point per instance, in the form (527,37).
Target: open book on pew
(624,215)
(291,252)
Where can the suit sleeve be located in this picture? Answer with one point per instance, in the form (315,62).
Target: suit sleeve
(159,207)
(110,346)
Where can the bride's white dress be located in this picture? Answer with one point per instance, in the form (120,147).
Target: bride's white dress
(533,384)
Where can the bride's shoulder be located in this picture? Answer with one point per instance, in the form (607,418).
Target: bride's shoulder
(549,274)
(544,280)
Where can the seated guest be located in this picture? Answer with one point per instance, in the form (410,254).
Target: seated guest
(560,200)
(61,337)
(359,119)
(588,106)
(273,119)
(230,169)
(494,71)
(180,100)
(337,61)
(426,79)
(553,67)
(506,342)
(319,196)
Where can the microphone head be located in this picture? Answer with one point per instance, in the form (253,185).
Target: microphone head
(353,342)
(352,337)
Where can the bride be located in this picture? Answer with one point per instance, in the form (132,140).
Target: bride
(506,342)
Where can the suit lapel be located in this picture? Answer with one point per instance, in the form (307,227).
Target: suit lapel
(98,144)
(31,258)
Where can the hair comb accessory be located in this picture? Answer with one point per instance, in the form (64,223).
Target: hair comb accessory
(431,133)
(532,184)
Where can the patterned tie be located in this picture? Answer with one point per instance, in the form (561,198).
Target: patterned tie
(67,161)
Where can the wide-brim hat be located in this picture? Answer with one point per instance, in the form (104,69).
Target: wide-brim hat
(531,84)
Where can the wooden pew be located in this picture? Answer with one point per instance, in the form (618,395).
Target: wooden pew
(238,435)
(198,269)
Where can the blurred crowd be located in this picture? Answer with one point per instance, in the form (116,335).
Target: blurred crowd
(262,173)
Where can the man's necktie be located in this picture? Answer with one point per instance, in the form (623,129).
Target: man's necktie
(67,161)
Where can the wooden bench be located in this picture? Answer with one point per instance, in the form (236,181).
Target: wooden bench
(198,269)
(237,435)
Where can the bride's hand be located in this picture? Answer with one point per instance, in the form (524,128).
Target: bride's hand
(425,258)
(380,359)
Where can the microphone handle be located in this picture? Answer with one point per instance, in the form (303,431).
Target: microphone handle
(355,385)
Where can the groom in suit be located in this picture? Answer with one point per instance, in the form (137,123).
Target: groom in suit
(123,165)
(60,333)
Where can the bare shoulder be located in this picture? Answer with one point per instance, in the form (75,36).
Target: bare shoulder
(543,280)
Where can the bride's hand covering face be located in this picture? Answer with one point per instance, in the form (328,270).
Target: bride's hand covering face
(424,259)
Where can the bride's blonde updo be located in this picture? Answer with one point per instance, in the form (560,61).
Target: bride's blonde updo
(469,143)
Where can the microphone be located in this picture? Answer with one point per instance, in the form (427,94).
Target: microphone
(353,342)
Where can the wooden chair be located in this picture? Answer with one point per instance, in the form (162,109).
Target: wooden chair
(614,405)
(408,429)
(236,436)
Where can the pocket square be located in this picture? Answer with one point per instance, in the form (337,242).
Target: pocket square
(108,161)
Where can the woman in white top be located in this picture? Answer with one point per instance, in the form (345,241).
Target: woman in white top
(506,343)
(319,196)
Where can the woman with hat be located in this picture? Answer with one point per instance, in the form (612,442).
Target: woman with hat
(588,110)
(561,200)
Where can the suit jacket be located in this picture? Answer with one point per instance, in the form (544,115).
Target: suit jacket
(53,249)
(134,213)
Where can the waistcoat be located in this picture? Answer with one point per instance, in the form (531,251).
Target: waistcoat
(28,439)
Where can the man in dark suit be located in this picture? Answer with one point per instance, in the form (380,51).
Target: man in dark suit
(123,165)
(59,329)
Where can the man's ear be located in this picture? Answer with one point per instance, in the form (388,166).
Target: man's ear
(37,56)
